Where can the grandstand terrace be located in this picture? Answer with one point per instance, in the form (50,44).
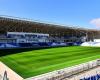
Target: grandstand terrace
(11,24)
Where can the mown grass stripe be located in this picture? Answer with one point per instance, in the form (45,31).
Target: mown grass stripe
(32,63)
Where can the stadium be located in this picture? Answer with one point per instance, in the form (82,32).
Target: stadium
(36,50)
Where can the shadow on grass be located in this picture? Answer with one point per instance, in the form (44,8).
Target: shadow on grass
(4,52)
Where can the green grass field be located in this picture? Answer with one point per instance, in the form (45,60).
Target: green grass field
(35,62)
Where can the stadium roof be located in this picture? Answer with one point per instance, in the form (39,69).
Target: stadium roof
(15,24)
(46,23)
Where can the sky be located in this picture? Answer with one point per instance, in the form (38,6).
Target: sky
(78,13)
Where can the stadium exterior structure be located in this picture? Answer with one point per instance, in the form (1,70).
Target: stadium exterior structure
(57,33)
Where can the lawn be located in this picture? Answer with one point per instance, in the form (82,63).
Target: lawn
(35,62)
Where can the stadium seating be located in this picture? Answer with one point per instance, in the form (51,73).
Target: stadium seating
(25,44)
(29,40)
(43,44)
(8,45)
(95,77)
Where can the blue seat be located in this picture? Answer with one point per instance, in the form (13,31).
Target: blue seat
(96,77)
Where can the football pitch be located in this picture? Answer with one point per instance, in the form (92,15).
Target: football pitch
(36,62)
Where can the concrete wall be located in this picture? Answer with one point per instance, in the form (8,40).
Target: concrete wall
(11,75)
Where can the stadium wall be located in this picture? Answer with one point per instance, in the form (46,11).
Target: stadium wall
(67,73)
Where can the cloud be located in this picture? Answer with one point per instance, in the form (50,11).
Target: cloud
(95,22)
